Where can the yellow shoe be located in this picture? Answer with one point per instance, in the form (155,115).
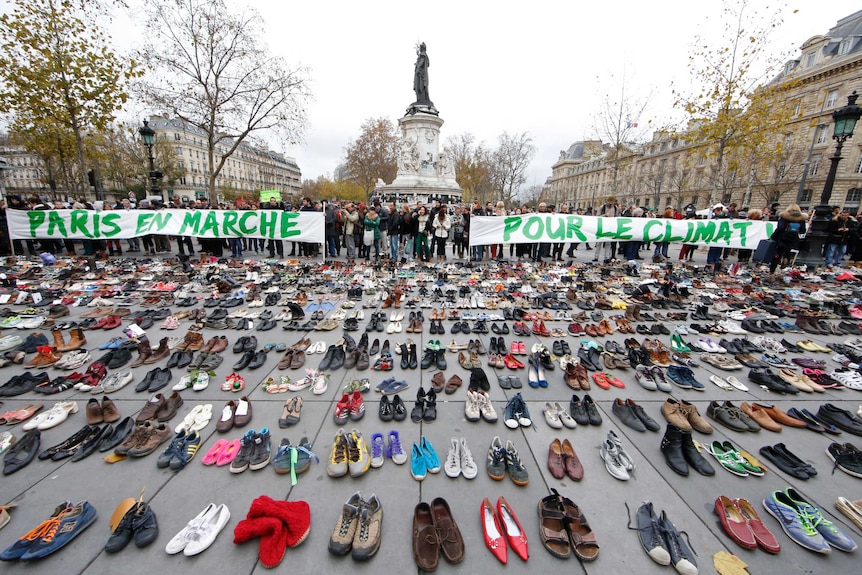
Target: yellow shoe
(807,345)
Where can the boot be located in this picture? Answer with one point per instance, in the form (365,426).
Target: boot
(46,356)
(58,339)
(77,340)
(637,312)
(630,312)
(144,352)
(693,456)
(387,302)
(159,353)
(397,299)
(671,447)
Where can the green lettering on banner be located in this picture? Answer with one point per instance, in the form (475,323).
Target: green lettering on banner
(555,234)
(288,221)
(267,224)
(704,230)
(37,218)
(668,233)
(600,232)
(246,231)
(534,228)
(573,228)
(96,220)
(724,232)
(647,227)
(211,223)
(228,224)
(191,220)
(79,222)
(143,224)
(743,231)
(160,220)
(688,232)
(109,221)
(624,225)
(510,225)
(770,229)
(55,222)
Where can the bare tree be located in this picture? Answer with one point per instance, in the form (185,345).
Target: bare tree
(510,162)
(209,66)
(472,162)
(374,154)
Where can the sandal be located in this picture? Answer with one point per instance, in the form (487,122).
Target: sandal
(552,528)
(582,538)
(270,386)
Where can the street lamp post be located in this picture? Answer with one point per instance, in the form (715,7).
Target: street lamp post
(845,122)
(148,135)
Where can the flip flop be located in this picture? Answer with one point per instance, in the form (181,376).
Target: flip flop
(202,418)
(216,451)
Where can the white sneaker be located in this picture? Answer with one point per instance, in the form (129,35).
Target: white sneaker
(613,464)
(681,329)
(452,467)
(396,451)
(471,406)
(321,382)
(485,407)
(304,383)
(469,469)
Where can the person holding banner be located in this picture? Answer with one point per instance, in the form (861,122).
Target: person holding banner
(605,251)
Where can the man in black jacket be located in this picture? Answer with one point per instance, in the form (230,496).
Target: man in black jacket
(274,246)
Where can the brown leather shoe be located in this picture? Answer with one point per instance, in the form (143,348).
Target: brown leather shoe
(158,434)
(169,410)
(144,352)
(438,382)
(591,330)
(760,417)
(571,378)
(573,466)
(426,542)
(161,352)
(779,416)
(451,542)
(94,412)
(298,360)
(675,414)
(220,344)
(136,438)
(453,383)
(110,413)
(555,459)
(208,347)
(153,406)
(242,415)
(694,417)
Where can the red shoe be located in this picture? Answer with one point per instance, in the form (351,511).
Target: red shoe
(111,322)
(511,362)
(762,534)
(734,523)
(357,407)
(613,380)
(522,348)
(601,380)
(493,533)
(514,532)
(514,348)
(100,324)
(342,410)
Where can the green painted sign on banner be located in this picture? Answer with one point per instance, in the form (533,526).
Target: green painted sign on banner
(265,195)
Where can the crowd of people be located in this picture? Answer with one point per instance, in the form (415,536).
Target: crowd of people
(434,231)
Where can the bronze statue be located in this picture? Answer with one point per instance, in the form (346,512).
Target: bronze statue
(420,77)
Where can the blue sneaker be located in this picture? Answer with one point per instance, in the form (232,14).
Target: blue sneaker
(431,460)
(795,524)
(61,529)
(826,528)
(17,549)
(418,467)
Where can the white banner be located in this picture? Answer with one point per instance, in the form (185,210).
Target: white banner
(555,228)
(123,224)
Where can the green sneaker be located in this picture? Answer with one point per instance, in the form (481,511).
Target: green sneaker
(749,467)
(728,458)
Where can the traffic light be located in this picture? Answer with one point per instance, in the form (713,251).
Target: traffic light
(91,177)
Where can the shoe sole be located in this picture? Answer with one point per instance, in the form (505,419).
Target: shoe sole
(256,466)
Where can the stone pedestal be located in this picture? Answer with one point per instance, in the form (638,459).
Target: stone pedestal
(424,173)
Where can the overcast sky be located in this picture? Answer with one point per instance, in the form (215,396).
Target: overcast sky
(538,67)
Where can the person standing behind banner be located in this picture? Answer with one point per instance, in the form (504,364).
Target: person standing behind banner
(350,218)
(393,231)
(606,250)
(372,225)
(307,248)
(458,239)
(274,246)
(744,255)
(713,254)
(788,234)
(441,225)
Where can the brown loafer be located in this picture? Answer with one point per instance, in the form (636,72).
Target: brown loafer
(760,417)
(169,409)
(426,542)
(779,416)
(225,423)
(153,406)
(573,466)
(448,534)
(298,360)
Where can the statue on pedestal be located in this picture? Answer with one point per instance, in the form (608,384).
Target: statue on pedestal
(423,101)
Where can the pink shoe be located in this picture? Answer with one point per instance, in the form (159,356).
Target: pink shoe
(215,452)
(230,452)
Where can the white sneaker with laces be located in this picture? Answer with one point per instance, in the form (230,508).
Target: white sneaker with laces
(452,467)
(321,382)
(471,406)
(613,464)
(469,469)
(485,407)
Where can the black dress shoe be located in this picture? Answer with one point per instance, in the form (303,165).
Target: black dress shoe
(118,435)
(244,360)
(174,359)
(250,343)
(840,418)
(326,362)
(22,453)
(161,378)
(399,410)
(186,358)
(121,357)
(258,359)
(386,412)
(375,347)
(337,358)
(622,410)
(239,345)
(578,411)
(592,411)
(144,384)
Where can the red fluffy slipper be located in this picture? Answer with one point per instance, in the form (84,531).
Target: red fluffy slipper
(273,538)
(280,524)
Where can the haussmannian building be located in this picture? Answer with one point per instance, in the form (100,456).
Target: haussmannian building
(668,170)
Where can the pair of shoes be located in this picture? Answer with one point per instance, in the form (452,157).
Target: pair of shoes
(392,409)
(633,415)
(102,412)
(349,455)
(732,460)
(584,412)
(358,529)
(425,408)
(435,532)
(380,450)
(557,417)
(516,413)
(805,524)
(562,461)
(680,451)
(254,452)
(788,461)
(423,460)
(500,526)
(139,523)
(684,415)
(618,463)
(349,407)
(505,459)
(564,529)
(67,522)
(742,523)
(182,449)
(201,532)
(459,460)
(662,541)
(478,406)
(293,459)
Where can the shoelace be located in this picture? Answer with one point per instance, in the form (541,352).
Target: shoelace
(377,448)
(51,525)
(654,528)
(395,445)
(672,537)
(846,457)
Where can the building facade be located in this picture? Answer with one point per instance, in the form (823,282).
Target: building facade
(20,171)
(668,170)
